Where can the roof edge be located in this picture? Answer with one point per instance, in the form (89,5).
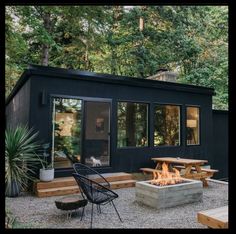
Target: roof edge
(135,81)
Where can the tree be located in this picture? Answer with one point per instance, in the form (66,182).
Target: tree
(15,50)
(135,41)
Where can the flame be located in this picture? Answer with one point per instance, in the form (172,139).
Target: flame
(165,177)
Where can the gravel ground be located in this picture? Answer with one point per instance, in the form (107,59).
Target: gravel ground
(42,213)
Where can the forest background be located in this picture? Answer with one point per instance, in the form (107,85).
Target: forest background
(131,41)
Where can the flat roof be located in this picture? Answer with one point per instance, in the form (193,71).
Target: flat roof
(54,72)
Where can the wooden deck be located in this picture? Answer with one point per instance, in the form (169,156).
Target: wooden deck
(214,218)
(68,185)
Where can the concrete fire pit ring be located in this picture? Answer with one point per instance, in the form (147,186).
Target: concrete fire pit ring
(168,196)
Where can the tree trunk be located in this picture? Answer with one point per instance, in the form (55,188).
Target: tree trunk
(45,54)
(141,44)
(86,58)
(130,124)
(141,24)
(116,17)
(45,47)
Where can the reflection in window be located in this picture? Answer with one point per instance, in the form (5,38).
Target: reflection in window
(67,131)
(132,124)
(96,139)
(192,129)
(166,125)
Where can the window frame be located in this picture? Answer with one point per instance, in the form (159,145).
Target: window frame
(199,128)
(148,124)
(83,99)
(180,123)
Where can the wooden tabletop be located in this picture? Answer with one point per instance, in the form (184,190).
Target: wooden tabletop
(180,160)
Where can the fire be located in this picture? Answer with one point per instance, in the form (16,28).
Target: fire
(165,177)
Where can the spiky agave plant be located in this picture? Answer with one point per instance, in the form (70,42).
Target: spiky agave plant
(21,159)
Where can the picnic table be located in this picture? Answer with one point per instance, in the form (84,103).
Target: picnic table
(190,168)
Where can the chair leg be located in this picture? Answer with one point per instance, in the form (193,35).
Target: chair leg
(82,214)
(99,209)
(68,216)
(116,211)
(91,222)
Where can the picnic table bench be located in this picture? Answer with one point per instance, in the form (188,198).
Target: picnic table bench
(209,172)
(151,170)
(214,218)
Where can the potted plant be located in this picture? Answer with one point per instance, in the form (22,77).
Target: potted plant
(46,173)
(21,160)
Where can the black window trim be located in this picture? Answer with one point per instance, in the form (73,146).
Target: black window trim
(199,129)
(180,124)
(148,103)
(83,99)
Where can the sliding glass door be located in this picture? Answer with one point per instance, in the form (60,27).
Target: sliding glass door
(81,132)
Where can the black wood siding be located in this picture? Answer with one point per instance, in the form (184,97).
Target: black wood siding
(220,143)
(129,159)
(17,111)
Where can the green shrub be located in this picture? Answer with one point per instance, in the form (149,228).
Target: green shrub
(21,160)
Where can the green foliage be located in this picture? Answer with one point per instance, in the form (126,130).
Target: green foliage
(9,218)
(11,222)
(21,160)
(192,40)
(43,157)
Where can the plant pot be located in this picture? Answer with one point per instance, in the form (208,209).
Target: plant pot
(46,174)
(13,190)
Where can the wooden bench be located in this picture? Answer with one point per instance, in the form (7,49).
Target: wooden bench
(205,173)
(214,218)
(209,172)
(151,170)
(148,170)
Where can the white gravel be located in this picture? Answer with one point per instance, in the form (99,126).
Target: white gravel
(37,212)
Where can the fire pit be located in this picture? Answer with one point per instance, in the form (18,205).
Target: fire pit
(168,189)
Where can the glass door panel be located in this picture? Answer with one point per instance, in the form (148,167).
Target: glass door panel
(67,116)
(96,150)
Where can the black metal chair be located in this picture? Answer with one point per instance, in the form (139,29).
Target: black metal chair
(95,193)
(90,173)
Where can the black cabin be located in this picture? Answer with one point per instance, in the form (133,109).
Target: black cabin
(115,123)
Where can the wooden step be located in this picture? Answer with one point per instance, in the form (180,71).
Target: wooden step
(59,191)
(70,181)
(111,177)
(57,182)
(123,184)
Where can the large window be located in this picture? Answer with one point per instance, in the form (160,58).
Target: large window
(192,126)
(66,131)
(166,125)
(132,126)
